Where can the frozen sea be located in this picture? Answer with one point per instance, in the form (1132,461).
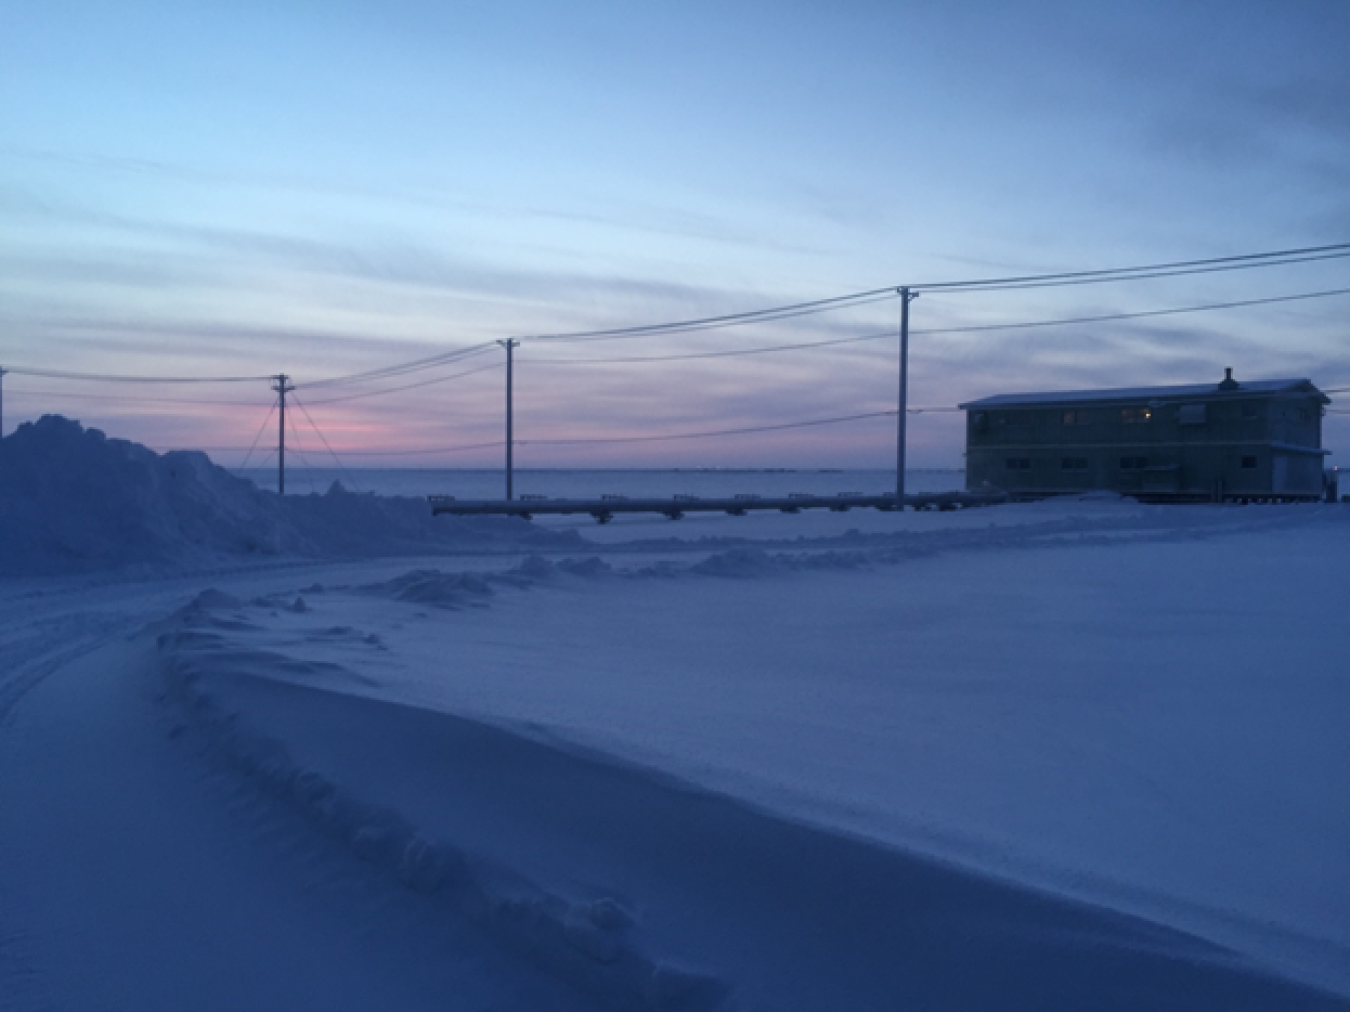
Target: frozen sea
(490,483)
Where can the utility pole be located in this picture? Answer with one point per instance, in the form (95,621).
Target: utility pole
(509,344)
(282,387)
(906,297)
(3,371)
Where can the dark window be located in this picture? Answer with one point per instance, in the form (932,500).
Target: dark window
(1249,463)
(979,421)
(1191,414)
(1250,409)
(1076,417)
(1074,463)
(1133,463)
(1019,463)
(1135,416)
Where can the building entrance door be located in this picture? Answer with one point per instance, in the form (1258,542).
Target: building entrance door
(1280,482)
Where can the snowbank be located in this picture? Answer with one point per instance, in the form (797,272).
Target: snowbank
(73,500)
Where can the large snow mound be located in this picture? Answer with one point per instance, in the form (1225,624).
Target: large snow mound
(72,500)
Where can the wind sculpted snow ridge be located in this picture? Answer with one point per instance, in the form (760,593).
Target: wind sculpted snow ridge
(645,890)
(584,939)
(73,501)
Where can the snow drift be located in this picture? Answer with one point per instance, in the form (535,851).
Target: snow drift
(73,500)
(647,891)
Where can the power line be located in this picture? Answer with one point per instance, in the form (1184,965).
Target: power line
(1139,272)
(416,365)
(1176,268)
(1179,267)
(1239,262)
(632,439)
(710,354)
(1025,324)
(717,432)
(65,395)
(882,335)
(1238,304)
(425,452)
(1154,274)
(409,386)
(119,378)
(718,322)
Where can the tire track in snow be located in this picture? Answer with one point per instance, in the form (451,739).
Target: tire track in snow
(25,665)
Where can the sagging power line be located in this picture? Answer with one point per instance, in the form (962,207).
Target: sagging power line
(1245,261)
(284,385)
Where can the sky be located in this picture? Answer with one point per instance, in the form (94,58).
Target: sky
(325,189)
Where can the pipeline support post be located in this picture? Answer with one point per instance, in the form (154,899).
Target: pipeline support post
(282,387)
(906,297)
(509,344)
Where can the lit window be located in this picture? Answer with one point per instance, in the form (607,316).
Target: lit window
(1135,416)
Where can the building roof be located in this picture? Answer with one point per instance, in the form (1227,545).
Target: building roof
(1245,388)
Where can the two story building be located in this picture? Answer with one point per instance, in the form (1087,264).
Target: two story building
(1214,442)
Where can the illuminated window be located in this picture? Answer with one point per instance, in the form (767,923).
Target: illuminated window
(1135,416)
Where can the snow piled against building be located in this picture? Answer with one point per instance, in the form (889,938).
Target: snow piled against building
(74,500)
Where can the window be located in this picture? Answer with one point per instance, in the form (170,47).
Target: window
(1191,414)
(1249,463)
(1135,416)
(1074,463)
(1076,417)
(1250,409)
(1133,463)
(1019,463)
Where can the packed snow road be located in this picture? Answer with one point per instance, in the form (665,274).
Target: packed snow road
(1071,756)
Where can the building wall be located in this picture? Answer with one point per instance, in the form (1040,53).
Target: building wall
(1185,447)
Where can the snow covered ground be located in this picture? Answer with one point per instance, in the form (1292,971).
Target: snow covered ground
(1074,755)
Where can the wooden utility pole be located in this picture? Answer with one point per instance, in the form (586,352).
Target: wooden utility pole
(906,297)
(509,344)
(282,387)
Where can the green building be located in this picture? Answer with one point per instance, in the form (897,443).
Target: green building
(1212,442)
